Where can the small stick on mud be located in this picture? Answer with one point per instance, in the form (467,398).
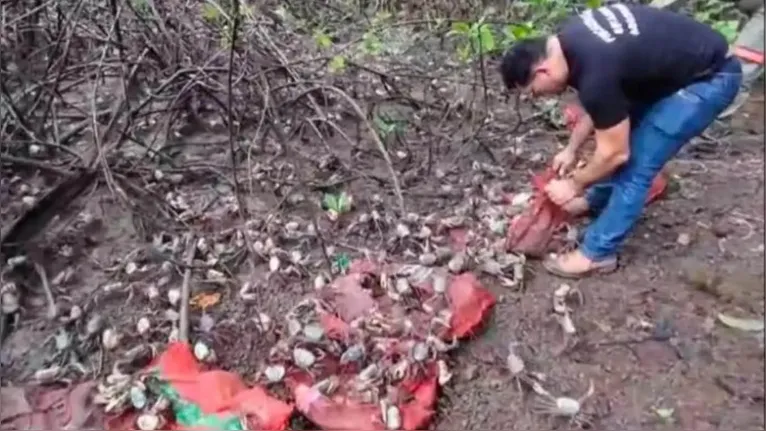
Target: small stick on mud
(323,247)
(183,325)
(52,310)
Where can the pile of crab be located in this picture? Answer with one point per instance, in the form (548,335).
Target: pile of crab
(367,352)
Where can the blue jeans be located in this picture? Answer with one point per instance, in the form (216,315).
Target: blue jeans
(657,134)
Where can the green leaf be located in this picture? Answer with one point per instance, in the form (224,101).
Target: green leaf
(322,40)
(702,16)
(339,203)
(461,28)
(210,13)
(341,262)
(464,52)
(330,201)
(337,64)
(729,29)
(593,4)
(520,31)
(486,38)
(344,203)
(142,7)
(371,44)
(384,126)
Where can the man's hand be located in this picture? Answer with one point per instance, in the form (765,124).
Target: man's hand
(564,160)
(562,191)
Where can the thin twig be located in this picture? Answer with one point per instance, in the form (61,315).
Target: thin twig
(52,309)
(323,247)
(183,323)
(230,116)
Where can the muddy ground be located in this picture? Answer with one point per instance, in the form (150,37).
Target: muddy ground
(648,338)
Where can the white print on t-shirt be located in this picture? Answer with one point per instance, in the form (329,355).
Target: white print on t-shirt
(611,18)
(590,21)
(616,27)
(629,18)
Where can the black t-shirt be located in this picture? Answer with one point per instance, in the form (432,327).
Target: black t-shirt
(620,54)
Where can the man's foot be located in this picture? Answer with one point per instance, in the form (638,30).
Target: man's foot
(576,207)
(575,265)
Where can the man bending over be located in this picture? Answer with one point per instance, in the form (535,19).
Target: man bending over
(649,81)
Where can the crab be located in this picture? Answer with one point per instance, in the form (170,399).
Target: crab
(372,375)
(565,407)
(366,386)
(328,386)
(399,370)
(441,321)
(516,365)
(441,346)
(561,308)
(416,359)
(570,239)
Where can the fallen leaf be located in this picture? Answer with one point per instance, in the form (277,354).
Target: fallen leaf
(205,300)
(341,262)
(750,325)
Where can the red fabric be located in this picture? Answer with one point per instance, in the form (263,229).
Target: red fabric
(748,54)
(215,392)
(470,303)
(531,232)
(343,412)
(416,395)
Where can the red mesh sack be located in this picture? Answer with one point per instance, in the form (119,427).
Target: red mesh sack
(351,297)
(341,412)
(209,399)
(531,232)
(470,304)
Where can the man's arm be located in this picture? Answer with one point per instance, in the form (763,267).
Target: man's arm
(612,150)
(580,132)
(606,105)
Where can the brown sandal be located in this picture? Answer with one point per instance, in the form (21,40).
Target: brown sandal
(605,266)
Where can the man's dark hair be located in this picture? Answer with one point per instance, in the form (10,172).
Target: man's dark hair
(517,64)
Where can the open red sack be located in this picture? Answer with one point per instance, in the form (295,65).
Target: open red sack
(210,400)
(343,412)
(415,396)
(531,232)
